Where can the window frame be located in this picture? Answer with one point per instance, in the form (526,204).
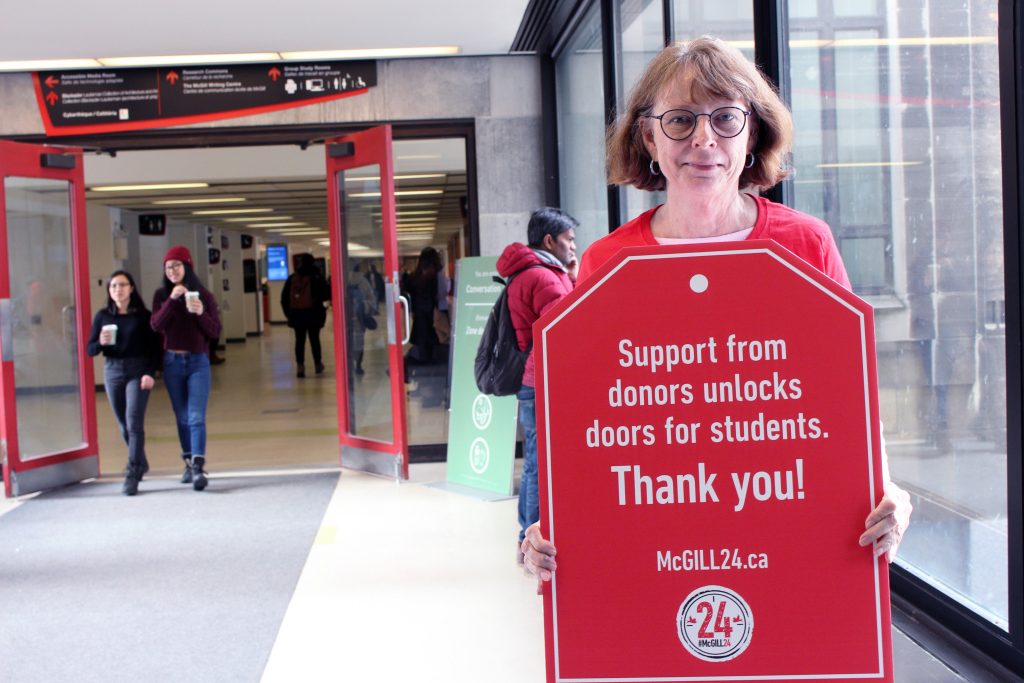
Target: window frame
(771,53)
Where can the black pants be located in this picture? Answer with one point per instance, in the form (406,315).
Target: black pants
(121,377)
(300,343)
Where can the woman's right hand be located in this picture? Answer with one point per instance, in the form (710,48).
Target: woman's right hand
(178,291)
(538,556)
(106,338)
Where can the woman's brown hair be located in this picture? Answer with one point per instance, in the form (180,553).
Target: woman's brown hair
(718,71)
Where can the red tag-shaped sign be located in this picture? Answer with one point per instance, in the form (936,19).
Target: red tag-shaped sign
(709,449)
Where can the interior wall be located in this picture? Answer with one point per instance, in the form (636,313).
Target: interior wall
(500,94)
(103,224)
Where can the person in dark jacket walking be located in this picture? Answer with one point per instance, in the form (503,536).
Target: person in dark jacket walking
(546,272)
(302,301)
(185,313)
(131,350)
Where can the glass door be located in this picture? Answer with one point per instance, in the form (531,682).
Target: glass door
(47,401)
(370,323)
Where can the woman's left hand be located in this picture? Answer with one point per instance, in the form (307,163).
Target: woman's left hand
(146,383)
(195,306)
(888,522)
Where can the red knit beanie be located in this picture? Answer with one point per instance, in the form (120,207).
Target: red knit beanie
(178,253)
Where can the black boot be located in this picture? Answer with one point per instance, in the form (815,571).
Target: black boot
(132,476)
(186,476)
(198,475)
(143,468)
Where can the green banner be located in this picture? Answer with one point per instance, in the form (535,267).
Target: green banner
(482,428)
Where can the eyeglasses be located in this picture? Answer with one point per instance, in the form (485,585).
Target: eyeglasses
(119,285)
(172,265)
(679,124)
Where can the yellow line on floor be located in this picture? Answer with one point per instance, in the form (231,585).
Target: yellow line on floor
(325,536)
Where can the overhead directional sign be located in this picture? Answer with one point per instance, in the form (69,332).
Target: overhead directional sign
(109,100)
(709,450)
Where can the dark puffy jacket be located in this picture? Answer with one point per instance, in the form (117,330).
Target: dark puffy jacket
(532,292)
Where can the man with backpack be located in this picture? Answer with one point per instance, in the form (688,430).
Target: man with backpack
(302,300)
(541,274)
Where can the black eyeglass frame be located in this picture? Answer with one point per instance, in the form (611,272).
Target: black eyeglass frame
(696,120)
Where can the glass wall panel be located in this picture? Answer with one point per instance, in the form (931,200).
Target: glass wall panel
(896,107)
(44,330)
(731,20)
(643,36)
(579,77)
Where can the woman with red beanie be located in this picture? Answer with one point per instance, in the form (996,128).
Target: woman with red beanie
(185,313)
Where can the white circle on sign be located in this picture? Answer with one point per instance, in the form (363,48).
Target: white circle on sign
(482,411)
(479,455)
(714,624)
(699,283)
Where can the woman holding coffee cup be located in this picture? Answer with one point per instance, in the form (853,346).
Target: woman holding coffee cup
(122,333)
(185,313)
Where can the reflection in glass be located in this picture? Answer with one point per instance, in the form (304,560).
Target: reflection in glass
(898,149)
(44,327)
(643,36)
(581,127)
(368,385)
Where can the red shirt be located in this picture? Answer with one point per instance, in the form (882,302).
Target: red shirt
(806,236)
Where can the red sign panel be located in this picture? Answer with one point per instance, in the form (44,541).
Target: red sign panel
(709,450)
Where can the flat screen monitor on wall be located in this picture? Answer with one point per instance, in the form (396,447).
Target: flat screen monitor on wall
(277,262)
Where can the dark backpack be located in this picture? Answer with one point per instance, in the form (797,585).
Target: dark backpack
(301,293)
(499,363)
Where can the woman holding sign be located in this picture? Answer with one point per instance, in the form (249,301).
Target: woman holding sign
(121,332)
(704,125)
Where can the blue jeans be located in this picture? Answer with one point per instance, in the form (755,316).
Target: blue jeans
(529,502)
(187,376)
(121,377)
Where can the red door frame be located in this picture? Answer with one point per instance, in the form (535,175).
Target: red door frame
(368,147)
(39,161)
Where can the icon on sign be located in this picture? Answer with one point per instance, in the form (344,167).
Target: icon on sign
(315,84)
(290,86)
(122,114)
(482,411)
(479,455)
(714,624)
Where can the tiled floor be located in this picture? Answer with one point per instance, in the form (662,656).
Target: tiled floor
(404,581)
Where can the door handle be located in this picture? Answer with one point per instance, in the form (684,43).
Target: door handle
(407,328)
(6,331)
(67,320)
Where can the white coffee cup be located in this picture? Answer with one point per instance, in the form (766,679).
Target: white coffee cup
(191,297)
(112,329)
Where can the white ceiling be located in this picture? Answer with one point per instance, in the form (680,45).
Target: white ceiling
(68,29)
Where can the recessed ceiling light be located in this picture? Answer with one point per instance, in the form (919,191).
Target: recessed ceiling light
(276,225)
(373,53)
(210,200)
(175,60)
(49,64)
(400,176)
(150,186)
(261,219)
(398,193)
(218,212)
(293,231)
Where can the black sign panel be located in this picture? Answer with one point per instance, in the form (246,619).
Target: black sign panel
(152,223)
(126,99)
